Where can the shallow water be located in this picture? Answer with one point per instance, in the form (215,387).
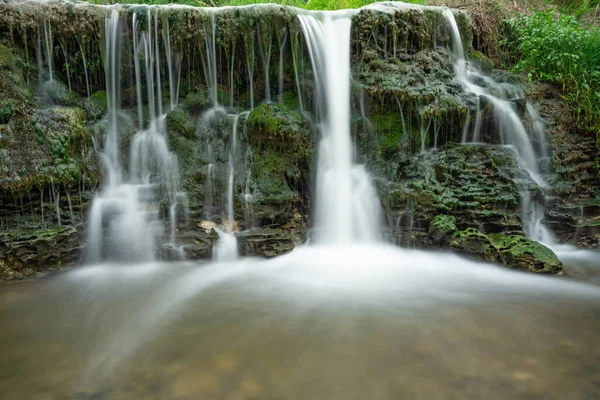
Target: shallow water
(320,323)
(578,263)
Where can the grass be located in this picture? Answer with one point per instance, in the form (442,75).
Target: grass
(578,8)
(306,4)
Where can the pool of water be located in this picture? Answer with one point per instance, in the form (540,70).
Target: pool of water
(363,322)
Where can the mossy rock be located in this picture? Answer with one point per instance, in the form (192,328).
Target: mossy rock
(522,253)
(482,61)
(59,93)
(276,127)
(7,59)
(265,242)
(7,110)
(100,100)
(476,244)
(196,102)
(25,253)
(270,169)
(181,123)
(441,228)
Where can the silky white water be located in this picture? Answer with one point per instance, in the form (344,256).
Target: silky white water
(124,221)
(347,207)
(346,318)
(511,129)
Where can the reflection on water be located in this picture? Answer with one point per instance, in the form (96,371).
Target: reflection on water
(320,323)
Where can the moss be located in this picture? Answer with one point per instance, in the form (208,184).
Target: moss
(484,63)
(32,235)
(519,252)
(181,123)
(270,170)
(196,102)
(471,241)
(7,109)
(441,227)
(7,59)
(100,100)
(273,126)
(60,93)
(388,129)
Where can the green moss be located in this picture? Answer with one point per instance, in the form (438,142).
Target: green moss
(181,123)
(60,93)
(441,228)
(282,144)
(475,243)
(100,100)
(443,223)
(519,252)
(32,235)
(484,63)
(7,59)
(273,126)
(196,102)
(7,109)
(270,169)
(388,129)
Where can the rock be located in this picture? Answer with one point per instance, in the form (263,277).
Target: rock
(476,244)
(181,123)
(92,110)
(265,242)
(25,253)
(477,185)
(519,252)
(514,251)
(282,143)
(196,102)
(482,61)
(441,228)
(59,93)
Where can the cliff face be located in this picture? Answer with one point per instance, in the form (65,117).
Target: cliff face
(237,84)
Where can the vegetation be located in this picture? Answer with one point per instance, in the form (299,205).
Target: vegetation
(564,51)
(306,4)
(578,8)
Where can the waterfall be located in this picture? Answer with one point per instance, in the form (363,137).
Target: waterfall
(347,206)
(124,221)
(210,65)
(511,128)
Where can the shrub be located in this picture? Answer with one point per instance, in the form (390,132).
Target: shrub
(564,51)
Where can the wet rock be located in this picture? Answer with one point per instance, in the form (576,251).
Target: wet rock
(181,123)
(573,173)
(265,242)
(476,244)
(482,61)
(282,143)
(478,185)
(514,251)
(92,110)
(196,102)
(519,252)
(25,253)
(441,228)
(59,93)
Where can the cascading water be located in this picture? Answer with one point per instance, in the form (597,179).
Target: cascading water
(124,217)
(227,248)
(347,207)
(511,129)
(250,328)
